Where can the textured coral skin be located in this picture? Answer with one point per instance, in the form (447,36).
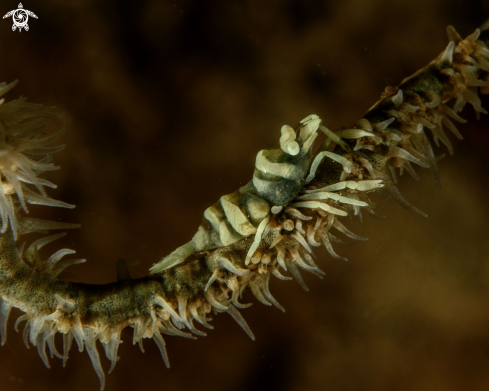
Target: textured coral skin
(391,135)
(285,300)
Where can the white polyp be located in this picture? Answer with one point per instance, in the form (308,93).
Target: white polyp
(163,303)
(67,342)
(297,236)
(182,309)
(477,83)
(393,112)
(111,348)
(4,314)
(226,264)
(357,212)
(4,87)
(398,98)
(257,239)
(416,129)
(257,290)
(318,223)
(281,257)
(474,100)
(481,54)
(40,243)
(266,259)
(59,254)
(297,275)
(268,228)
(469,71)
(351,134)
(434,103)
(211,280)
(79,334)
(394,192)
(95,358)
(347,165)
(368,147)
(172,327)
(41,346)
(327,243)
(450,125)
(447,55)
(392,138)
(308,259)
(300,262)
(311,232)
(364,124)
(276,241)
(367,165)
(453,35)
(392,173)
(403,154)
(440,133)
(426,123)
(36,199)
(240,320)
(298,227)
(459,103)
(474,36)
(277,274)
(51,331)
(384,124)
(266,292)
(340,227)
(198,318)
(66,306)
(256,258)
(37,325)
(7,214)
(470,59)
(410,169)
(213,302)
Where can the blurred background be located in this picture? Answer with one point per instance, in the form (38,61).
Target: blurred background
(166,104)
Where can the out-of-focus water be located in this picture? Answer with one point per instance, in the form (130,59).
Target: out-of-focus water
(166,105)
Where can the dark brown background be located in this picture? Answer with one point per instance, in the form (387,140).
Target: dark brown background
(166,104)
